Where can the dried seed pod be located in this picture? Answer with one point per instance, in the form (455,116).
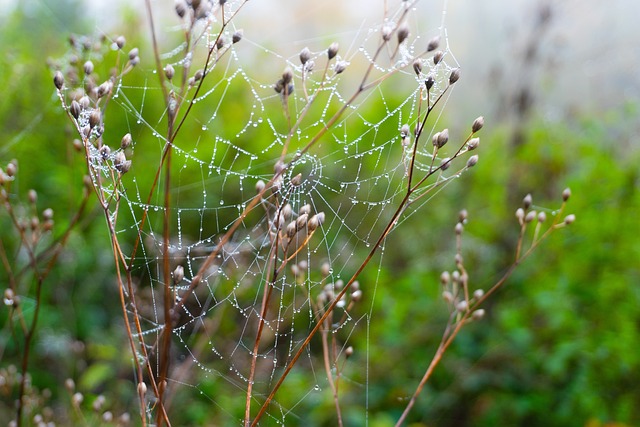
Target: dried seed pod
(478,293)
(88,67)
(473,144)
(442,138)
(291,229)
(220,43)
(472,161)
(542,217)
(305,55)
(58,80)
(178,274)
(84,102)
(478,314)
(105,152)
(301,222)
(47,214)
(429,82)
(181,8)
(566,194)
(527,201)
(405,130)
(417,66)
(316,221)
(126,141)
(437,57)
(169,72)
(387,30)
(445,278)
(287,76)
(75,109)
(260,186)
(120,41)
(520,215)
(340,66)
(306,209)
(333,50)
(462,306)
(32,195)
(569,219)
(348,352)
(454,76)
(104,89)
(445,163)
(356,295)
(477,124)
(433,44)
(531,215)
(133,53)
(198,75)
(296,180)
(402,32)
(462,216)
(237,36)
(94,118)
(459,228)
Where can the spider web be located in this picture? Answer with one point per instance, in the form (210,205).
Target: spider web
(237,141)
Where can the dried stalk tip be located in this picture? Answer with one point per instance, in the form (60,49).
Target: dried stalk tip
(527,201)
(333,50)
(566,194)
(433,44)
(403,32)
(472,161)
(477,124)
(454,76)
(58,80)
(305,55)
(417,66)
(237,36)
(569,219)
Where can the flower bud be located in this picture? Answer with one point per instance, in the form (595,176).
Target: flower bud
(58,80)
(417,66)
(169,72)
(569,219)
(477,124)
(333,50)
(305,55)
(429,82)
(126,141)
(237,36)
(473,144)
(566,194)
(437,57)
(433,44)
(527,201)
(472,161)
(454,76)
(403,32)
(88,67)
(178,274)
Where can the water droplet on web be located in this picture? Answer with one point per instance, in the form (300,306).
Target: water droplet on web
(204,127)
(317,388)
(221,202)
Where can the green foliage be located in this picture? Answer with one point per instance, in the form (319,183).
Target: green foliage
(559,344)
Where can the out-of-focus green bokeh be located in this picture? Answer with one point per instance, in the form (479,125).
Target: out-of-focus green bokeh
(558,346)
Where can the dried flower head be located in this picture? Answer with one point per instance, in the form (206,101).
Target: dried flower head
(569,219)
(305,55)
(169,72)
(237,36)
(58,80)
(75,109)
(178,274)
(429,82)
(403,32)
(472,161)
(454,76)
(477,124)
(417,66)
(126,141)
(473,144)
(88,67)
(333,50)
(437,57)
(340,66)
(433,44)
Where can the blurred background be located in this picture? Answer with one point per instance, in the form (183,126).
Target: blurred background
(558,83)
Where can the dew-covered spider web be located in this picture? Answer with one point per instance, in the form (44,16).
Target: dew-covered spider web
(287,169)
